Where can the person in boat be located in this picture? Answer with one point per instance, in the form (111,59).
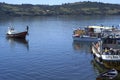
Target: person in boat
(113,28)
(106,51)
(27,28)
(112,51)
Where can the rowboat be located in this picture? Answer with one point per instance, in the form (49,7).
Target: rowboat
(110,74)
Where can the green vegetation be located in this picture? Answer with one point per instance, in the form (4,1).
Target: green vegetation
(78,8)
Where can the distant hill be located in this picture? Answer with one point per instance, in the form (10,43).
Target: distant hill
(78,8)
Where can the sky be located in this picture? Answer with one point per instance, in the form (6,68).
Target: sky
(55,2)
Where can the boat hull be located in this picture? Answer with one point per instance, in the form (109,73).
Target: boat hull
(111,57)
(18,35)
(112,54)
(85,39)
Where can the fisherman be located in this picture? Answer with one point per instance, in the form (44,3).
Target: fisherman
(113,28)
(27,28)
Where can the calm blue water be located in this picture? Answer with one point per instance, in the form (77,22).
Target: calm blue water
(48,53)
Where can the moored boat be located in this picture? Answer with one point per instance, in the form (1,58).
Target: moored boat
(89,33)
(107,49)
(15,34)
(95,33)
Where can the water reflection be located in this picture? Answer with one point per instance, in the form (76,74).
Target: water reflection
(15,41)
(81,45)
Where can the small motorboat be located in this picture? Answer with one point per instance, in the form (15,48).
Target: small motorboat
(110,74)
(15,34)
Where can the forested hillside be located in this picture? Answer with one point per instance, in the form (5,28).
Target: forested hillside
(78,8)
